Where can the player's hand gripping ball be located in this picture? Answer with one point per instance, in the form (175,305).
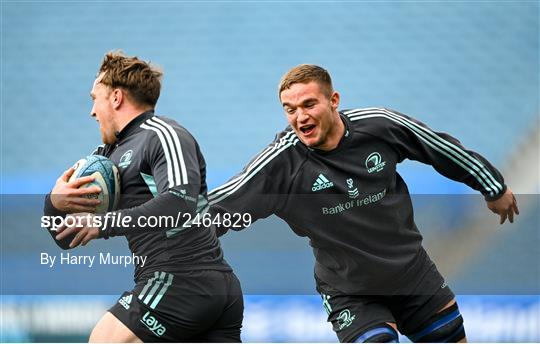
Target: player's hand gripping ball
(105,175)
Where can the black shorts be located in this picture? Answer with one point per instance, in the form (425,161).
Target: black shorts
(351,315)
(197,306)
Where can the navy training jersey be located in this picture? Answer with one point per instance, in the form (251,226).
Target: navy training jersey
(351,202)
(163,174)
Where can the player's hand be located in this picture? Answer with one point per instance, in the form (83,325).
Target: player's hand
(506,206)
(66,196)
(83,225)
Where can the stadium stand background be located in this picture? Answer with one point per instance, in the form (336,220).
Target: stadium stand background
(470,69)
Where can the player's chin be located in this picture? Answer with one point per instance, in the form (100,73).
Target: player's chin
(107,140)
(311,142)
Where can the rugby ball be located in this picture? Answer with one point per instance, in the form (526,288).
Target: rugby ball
(106,177)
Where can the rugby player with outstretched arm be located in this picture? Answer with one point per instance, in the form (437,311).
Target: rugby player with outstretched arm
(331,175)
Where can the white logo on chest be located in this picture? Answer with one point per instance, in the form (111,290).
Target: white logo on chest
(375,163)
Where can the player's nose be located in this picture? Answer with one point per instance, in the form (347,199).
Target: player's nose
(302,115)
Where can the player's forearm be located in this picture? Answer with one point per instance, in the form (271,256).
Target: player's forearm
(50,211)
(228,219)
(476,172)
(414,140)
(491,182)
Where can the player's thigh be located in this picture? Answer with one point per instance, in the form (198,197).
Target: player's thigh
(445,326)
(359,318)
(380,333)
(161,308)
(110,329)
(429,309)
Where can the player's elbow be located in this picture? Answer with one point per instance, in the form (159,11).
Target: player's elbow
(220,231)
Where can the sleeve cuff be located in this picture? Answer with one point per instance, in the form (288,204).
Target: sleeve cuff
(49,208)
(104,229)
(496,197)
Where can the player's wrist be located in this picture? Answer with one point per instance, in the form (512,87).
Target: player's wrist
(489,198)
(50,208)
(103,228)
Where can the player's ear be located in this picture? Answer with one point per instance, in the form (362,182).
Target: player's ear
(334,100)
(117,97)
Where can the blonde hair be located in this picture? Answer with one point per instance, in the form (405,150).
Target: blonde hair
(305,73)
(141,80)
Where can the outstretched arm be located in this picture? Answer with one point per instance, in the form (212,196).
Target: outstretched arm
(260,188)
(414,140)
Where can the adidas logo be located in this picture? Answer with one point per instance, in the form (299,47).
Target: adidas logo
(125,301)
(321,183)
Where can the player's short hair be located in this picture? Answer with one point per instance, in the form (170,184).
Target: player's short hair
(305,73)
(140,79)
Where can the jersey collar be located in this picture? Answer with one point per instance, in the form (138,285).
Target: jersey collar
(345,139)
(134,125)
(347,135)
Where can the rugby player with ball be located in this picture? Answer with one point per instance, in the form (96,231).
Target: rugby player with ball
(186,291)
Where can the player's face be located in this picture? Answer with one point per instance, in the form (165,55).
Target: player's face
(102,110)
(312,114)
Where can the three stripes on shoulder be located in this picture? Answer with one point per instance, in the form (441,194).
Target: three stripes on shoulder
(170,142)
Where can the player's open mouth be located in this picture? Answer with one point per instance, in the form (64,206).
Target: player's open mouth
(307,129)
